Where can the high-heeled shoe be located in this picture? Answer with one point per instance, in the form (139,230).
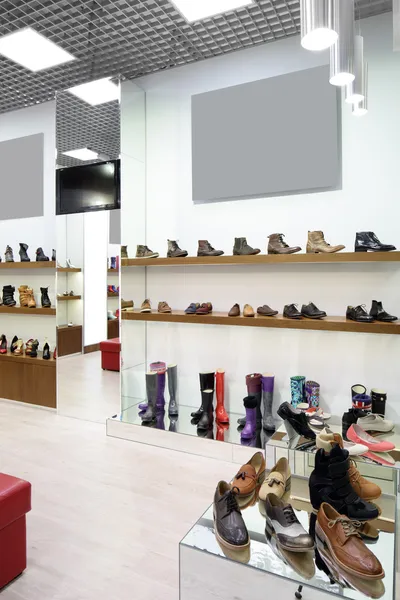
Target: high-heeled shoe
(46,351)
(13,344)
(295,421)
(34,348)
(28,347)
(3,344)
(55,353)
(19,347)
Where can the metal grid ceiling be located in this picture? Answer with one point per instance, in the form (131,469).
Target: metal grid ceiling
(135,37)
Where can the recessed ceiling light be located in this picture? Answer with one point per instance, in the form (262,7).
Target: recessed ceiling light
(82,154)
(97,92)
(195,10)
(32,50)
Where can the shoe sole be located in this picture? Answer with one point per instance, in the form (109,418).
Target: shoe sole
(373,430)
(273,314)
(249,254)
(227,544)
(310,317)
(145,310)
(358,321)
(324,540)
(209,255)
(271,531)
(282,253)
(155,255)
(293,318)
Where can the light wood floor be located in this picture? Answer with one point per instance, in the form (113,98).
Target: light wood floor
(85,391)
(107,514)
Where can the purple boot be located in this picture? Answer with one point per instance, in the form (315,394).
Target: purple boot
(160,402)
(250,405)
(154,368)
(267,400)
(160,419)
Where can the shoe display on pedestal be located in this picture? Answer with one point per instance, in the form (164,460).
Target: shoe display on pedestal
(242,248)
(19,347)
(367,241)
(250,475)
(278,481)
(28,347)
(205,249)
(174,251)
(144,252)
(379,314)
(316,244)
(229,526)
(40,255)
(277,245)
(23,252)
(281,521)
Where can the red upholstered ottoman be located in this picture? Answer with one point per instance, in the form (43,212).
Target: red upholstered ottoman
(15,502)
(110,351)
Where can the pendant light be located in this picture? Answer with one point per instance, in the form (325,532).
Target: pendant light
(355,89)
(361,108)
(317,30)
(342,52)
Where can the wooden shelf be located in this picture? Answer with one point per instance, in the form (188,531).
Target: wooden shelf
(23,310)
(113,294)
(69,339)
(280,322)
(46,264)
(67,298)
(113,271)
(260,259)
(22,358)
(69,327)
(69,270)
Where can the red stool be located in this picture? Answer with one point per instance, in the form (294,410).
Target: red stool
(15,502)
(110,351)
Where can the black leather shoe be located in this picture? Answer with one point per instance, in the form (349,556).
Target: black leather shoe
(379,314)
(368,241)
(312,312)
(296,419)
(291,311)
(230,528)
(358,313)
(350,418)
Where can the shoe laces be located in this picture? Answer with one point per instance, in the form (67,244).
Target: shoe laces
(361,308)
(355,473)
(289,515)
(349,527)
(243,475)
(231,501)
(282,241)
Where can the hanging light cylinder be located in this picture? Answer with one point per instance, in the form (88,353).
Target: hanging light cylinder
(355,89)
(317,24)
(361,108)
(342,52)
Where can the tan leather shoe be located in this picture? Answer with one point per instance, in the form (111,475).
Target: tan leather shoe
(146,306)
(125,304)
(248,311)
(235,311)
(278,481)
(316,243)
(344,542)
(277,245)
(23,295)
(31,298)
(164,308)
(250,475)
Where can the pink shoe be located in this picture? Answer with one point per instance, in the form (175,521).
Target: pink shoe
(381,459)
(357,435)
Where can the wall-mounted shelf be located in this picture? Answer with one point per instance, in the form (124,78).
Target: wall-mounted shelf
(49,264)
(113,294)
(260,259)
(69,270)
(280,322)
(22,358)
(23,310)
(67,298)
(113,271)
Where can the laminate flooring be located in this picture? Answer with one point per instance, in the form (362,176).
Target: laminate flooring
(107,515)
(85,391)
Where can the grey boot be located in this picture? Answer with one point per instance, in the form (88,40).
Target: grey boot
(172,373)
(267,382)
(9,255)
(23,252)
(242,248)
(151,391)
(174,251)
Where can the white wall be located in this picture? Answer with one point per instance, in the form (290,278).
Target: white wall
(368,201)
(36,231)
(70,237)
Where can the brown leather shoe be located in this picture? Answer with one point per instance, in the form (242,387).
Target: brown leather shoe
(250,475)
(146,306)
(248,311)
(204,309)
(316,243)
(266,311)
(341,537)
(145,252)
(235,311)
(164,308)
(124,251)
(174,251)
(277,245)
(126,304)
(278,481)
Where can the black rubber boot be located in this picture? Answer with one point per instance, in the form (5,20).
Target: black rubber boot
(40,255)
(207,382)
(151,390)
(329,482)
(23,253)
(46,302)
(8,295)
(172,374)
(206,419)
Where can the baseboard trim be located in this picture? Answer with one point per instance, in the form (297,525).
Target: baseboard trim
(91,348)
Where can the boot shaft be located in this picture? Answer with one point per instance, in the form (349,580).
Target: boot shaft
(205,246)
(315,240)
(207,381)
(46,302)
(23,252)
(160,401)
(276,241)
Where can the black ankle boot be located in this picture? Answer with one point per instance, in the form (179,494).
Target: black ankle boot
(53,255)
(46,302)
(46,351)
(330,482)
(207,382)
(23,253)
(8,295)
(206,419)
(368,241)
(40,255)
(350,418)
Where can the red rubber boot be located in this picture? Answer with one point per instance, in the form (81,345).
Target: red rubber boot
(220,412)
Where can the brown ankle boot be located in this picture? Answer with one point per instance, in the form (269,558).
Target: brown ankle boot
(124,251)
(316,243)
(23,295)
(277,245)
(31,298)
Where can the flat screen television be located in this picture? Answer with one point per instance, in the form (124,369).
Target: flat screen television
(88,188)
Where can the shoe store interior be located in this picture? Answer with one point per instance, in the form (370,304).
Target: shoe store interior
(200,270)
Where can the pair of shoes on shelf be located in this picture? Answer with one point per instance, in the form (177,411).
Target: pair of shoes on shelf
(248,311)
(195,308)
(377,313)
(310,311)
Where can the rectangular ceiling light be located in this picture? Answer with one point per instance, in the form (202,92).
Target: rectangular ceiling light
(97,92)
(196,10)
(82,154)
(32,50)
